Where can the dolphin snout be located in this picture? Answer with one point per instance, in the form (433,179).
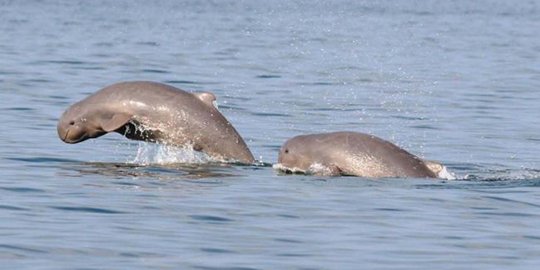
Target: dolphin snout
(65,136)
(69,133)
(62,132)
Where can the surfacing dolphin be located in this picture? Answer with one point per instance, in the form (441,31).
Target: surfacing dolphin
(155,112)
(353,153)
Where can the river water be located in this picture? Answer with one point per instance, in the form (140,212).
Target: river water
(452,81)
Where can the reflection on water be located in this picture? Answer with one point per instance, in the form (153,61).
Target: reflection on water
(162,172)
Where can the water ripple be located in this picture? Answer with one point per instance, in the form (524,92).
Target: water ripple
(43,160)
(511,201)
(20,248)
(224,268)
(87,210)
(210,219)
(294,255)
(158,71)
(181,82)
(14,208)
(217,250)
(287,240)
(23,189)
(20,109)
(267,76)
(508,214)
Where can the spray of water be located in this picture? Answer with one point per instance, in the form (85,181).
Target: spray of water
(151,153)
(162,154)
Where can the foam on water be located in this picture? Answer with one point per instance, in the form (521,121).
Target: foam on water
(503,175)
(282,168)
(314,169)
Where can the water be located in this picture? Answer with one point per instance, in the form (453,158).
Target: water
(453,81)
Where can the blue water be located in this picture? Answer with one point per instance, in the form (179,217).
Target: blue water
(453,81)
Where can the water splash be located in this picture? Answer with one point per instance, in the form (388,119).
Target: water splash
(150,153)
(284,169)
(446,174)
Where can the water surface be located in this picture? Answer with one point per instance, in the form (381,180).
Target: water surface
(453,81)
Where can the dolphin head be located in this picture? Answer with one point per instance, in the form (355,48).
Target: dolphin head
(78,124)
(295,154)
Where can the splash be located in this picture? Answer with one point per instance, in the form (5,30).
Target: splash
(162,154)
(282,168)
(445,174)
(151,153)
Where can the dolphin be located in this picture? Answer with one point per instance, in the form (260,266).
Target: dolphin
(155,112)
(353,153)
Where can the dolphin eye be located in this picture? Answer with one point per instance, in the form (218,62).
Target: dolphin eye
(286,151)
(71,123)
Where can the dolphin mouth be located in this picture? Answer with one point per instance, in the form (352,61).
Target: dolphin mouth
(65,136)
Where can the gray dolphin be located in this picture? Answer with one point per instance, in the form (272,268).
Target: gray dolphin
(352,153)
(155,112)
